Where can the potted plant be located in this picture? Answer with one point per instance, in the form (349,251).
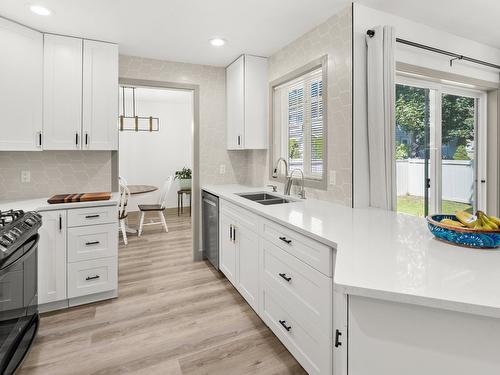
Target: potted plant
(184,177)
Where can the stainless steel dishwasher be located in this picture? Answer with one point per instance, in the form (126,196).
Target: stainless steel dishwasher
(210,227)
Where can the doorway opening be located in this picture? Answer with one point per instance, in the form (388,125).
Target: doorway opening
(440,148)
(158,159)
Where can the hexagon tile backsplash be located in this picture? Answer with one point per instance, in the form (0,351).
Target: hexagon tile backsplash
(53,172)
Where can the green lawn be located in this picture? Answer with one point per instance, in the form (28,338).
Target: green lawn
(415,205)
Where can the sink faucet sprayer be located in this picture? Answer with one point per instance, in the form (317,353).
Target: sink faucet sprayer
(289,178)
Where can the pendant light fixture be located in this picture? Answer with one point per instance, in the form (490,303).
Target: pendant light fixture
(134,122)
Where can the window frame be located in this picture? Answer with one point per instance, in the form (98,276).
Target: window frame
(319,63)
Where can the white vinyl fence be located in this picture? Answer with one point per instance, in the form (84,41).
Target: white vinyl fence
(457,179)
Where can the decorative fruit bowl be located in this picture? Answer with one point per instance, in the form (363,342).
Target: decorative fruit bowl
(463,236)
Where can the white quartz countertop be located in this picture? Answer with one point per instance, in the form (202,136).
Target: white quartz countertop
(390,256)
(40,204)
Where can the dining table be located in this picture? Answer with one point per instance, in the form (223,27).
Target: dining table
(141,189)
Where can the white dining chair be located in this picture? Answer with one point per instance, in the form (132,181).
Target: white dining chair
(159,207)
(122,209)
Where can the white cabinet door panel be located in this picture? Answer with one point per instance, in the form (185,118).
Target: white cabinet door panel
(256,102)
(235,102)
(100,95)
(227,248)
(248,265)
(52,257)
(21,76)
(62,93)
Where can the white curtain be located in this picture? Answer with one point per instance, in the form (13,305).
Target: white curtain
(381,121)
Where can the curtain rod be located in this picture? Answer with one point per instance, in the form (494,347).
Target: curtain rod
(455,56)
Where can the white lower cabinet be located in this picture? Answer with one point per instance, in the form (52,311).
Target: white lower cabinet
(52,258)
(77,256)
(239,253)
(92,276)
(227,258)
(287,278)
(92,242)
(248,266)
(307,343)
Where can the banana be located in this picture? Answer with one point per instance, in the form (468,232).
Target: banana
(452,223)
(468,219)
(487,223)
(495,219)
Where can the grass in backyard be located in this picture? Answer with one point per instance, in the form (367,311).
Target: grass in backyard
(413,205)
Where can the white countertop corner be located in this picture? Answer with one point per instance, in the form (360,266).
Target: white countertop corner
(390,256)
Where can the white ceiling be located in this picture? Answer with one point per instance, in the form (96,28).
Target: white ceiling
(472,19)
(179,30)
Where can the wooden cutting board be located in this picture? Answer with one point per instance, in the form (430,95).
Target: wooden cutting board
(80,197)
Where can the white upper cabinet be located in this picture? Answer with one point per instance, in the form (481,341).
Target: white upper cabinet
(235,103)
(247,103)
(62,93)
(21,69)
(100,95)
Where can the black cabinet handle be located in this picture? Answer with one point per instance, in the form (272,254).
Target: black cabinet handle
(86,139)
(284,276)
(284,239)
(234,234)
(337,337)
(283,323)
(60,222)
(231,232)
(76,139)
(92,277)
(91,216)
(239,140)
(92,243)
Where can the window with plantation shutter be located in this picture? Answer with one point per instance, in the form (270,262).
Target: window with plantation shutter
(299,111)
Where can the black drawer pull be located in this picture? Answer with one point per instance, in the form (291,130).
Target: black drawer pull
(92,243)
(284,239)
(91,216)
(337,337)
(284,276)
(283,323)
(92,277)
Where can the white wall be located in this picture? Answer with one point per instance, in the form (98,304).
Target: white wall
(147,158)
(366,18)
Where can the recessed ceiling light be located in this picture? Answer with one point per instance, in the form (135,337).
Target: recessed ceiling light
(217,42)
(40,10)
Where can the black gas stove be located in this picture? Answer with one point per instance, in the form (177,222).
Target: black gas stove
(18,286)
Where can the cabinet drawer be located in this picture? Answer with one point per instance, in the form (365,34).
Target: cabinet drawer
(92,242)
(92,215)
(316,254)
(244,217)
(92,276)
(307,345)
(308,290)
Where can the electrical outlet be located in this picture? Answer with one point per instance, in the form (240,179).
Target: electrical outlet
(333,177)
(25,177)
(222,169)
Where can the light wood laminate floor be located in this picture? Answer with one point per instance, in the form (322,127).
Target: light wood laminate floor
(173,316)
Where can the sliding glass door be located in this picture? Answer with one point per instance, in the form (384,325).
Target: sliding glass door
(440,162)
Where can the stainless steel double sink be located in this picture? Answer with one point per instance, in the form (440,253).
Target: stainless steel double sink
(265,198)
